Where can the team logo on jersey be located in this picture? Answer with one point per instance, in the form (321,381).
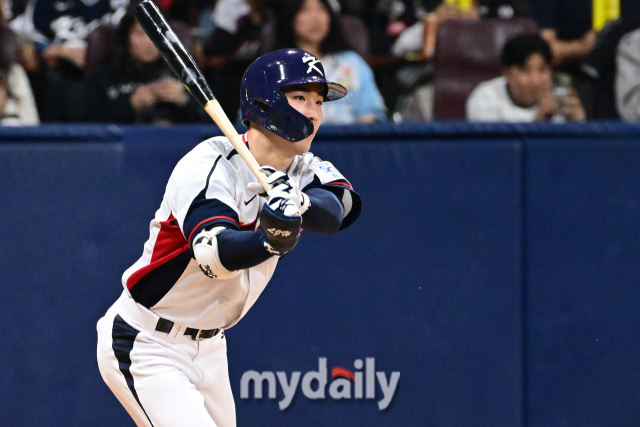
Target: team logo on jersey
(312,61)
(279,232)
(345,383)
(326,172)
(62,6)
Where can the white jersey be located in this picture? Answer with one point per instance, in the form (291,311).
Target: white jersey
(209,186)
(490,102)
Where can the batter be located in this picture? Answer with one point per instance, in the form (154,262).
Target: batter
(215,243)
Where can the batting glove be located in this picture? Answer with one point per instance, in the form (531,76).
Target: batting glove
(285,197)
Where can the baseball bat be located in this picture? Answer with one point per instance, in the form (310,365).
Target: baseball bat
(184,67)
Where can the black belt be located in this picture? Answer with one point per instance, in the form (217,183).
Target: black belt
(165,326)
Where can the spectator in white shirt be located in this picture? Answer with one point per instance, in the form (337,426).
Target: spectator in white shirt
(525,91)
(627,81)
(17,106)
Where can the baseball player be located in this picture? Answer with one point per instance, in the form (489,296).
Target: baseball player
(214,244)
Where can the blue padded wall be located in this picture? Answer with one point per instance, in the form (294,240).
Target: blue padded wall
(494,267)
(583,282)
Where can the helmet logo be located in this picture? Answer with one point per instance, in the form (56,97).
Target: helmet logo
(312,60)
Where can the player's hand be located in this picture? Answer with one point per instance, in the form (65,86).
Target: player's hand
(285,194)
(280,218)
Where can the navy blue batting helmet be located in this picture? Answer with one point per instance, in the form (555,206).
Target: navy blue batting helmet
(263,103)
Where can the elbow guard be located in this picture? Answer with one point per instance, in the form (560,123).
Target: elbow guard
(205,251)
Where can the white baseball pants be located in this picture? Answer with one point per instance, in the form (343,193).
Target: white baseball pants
(164,380)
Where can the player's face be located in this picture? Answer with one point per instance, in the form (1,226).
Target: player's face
(312,22)
(306,99)
(140,45)
(528,83)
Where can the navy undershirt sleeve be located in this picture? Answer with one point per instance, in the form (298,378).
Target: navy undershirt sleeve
(241,249)
(245,249)
(324,216)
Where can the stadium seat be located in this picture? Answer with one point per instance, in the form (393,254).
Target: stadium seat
(356,34)
(8,44)
(468,53)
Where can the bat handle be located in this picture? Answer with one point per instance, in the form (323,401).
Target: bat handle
(218,115)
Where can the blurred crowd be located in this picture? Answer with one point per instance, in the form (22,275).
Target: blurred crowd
(402,60)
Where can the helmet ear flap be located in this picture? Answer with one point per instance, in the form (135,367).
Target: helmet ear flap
(279,118)
(260,104)
(263,107)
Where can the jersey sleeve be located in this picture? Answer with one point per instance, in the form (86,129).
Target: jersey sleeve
(202,191)
(323,174)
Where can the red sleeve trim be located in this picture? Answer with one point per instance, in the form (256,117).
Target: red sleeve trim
(207,220)
(249,226)
(340,183)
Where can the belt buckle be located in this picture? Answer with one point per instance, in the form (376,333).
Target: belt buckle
(197,336)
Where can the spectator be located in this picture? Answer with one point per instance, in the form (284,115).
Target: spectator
(563,51)
(627,83)
(238,28)
(6,11)
(421,37)
(234,33)
(406,27)
(17,106)
(525,92)
(186,11)
(567,26)
(413,93)
(57,31)
(602,67)
(312,25)
(137,86)
(393,17)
